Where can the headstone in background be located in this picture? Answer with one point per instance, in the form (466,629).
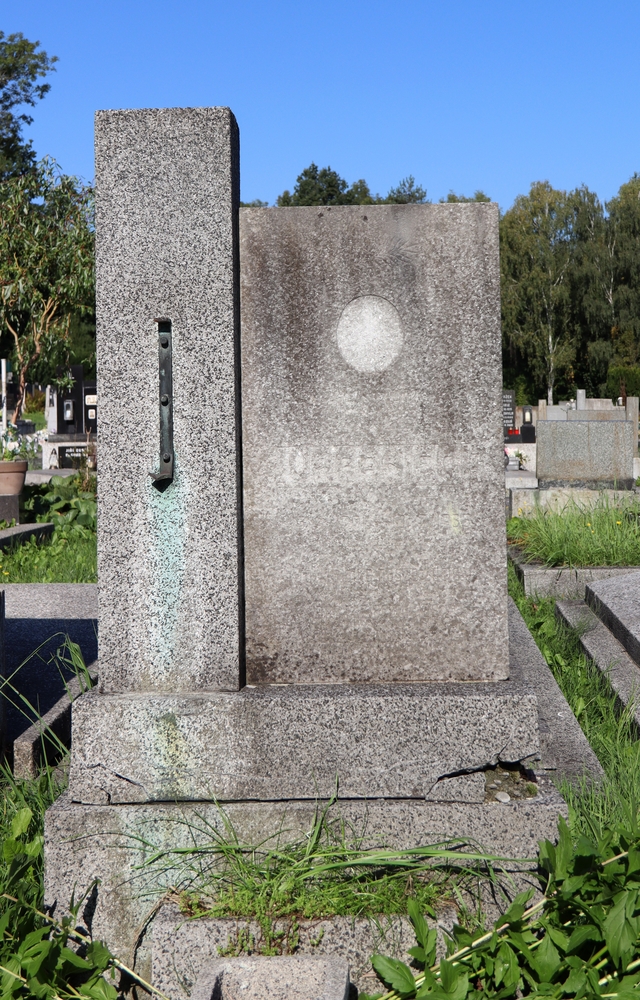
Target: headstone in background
(588,454)
(374,508)
(508,411)
(69,402)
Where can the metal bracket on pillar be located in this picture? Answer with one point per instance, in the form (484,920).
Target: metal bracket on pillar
(162,478)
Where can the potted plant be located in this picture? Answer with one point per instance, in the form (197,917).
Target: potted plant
(13,468)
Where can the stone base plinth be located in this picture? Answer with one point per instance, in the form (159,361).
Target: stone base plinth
(295,741)
(112,843)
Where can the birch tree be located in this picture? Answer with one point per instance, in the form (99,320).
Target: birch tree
(537,246)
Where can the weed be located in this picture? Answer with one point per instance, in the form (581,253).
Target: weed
(602,535)
(69,555)
(63,558)
(328,872)
(580,940)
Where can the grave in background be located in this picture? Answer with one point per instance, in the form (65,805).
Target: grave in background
(72,423)
(370,380)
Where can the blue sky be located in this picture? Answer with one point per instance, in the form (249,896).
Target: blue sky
(462,94)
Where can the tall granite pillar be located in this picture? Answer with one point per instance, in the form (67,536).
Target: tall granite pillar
(169,551)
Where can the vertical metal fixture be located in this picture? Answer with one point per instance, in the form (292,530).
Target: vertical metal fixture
(165,475)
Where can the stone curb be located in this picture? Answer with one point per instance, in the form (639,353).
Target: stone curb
(610,657)
(564,749)
(32,745)
(616,604)
(559,581)
(278,977)
(21,532)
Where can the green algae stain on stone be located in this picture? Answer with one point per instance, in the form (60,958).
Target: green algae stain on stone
(167,512)
(170,752)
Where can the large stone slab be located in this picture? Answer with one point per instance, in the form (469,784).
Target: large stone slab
(564,749)
(169,562)
(590,454)
(294,742)
(372,443)
(559,581)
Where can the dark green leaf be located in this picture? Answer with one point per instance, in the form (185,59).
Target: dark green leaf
(394,973)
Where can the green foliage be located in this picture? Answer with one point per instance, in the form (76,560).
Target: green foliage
(69,501)
(624,224)
(326,873)
(34,402)
(619,376)
(407,193)
(453,198)
(537,246)
(81,346)
(65,557)
(581,940)
(46,267)
(21,65)
(602,535)
(69,555)
(256,203)
(323,186)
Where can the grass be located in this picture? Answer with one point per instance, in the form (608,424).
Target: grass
(328,872)
(615,800)
(38,418)
(70,554)
(603,535)
(63,558)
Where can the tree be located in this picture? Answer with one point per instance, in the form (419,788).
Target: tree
(323,186)
(407,193)
(624,235)
(21,65)
(46,264)
(453,198)
(537,242)
(592,290)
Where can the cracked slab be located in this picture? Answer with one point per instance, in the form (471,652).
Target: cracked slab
(114,844)
(295,742)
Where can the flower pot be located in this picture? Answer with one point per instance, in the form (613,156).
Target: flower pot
(12,477)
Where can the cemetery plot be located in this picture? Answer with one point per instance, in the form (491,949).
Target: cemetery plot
(559,551)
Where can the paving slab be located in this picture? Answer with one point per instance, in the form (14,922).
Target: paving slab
(565,751)
(38,617)
(559,581)
(273,977)
(609,655)
(617,604)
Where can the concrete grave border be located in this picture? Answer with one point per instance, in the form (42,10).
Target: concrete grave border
(21,532)
(559,581)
